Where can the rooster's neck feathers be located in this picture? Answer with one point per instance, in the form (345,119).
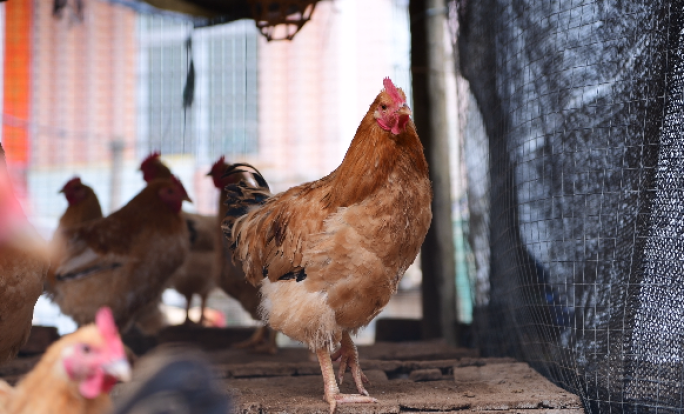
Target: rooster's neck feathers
(378,151)
(148,208)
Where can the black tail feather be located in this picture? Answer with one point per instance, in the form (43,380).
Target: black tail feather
(240,197)
(256,174)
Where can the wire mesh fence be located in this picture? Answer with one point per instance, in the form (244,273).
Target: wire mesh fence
(581,127)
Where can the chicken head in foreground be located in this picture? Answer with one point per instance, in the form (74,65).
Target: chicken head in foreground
(329,254)
(75,375)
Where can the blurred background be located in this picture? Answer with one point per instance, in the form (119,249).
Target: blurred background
(91,87)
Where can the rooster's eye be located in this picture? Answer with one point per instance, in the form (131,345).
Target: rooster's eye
(86,349)
(384,107)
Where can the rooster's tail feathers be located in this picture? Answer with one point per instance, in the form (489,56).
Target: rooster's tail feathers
(237,168)
(240,197)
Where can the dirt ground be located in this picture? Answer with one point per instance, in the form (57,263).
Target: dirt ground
(405,377)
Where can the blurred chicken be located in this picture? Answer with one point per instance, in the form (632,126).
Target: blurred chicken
(24,260)
(74,376)
(231,278)
(124,261)
(83,206)
(196,275)
(329,254)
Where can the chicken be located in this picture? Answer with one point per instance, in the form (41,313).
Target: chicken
(24,261)
(74,376)
(329,254)
(196,275)
(83,206)
(231,278)
(124,261)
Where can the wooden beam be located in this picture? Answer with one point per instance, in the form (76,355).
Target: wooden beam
(430,115)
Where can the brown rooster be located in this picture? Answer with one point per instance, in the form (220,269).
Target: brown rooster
(24,261)
(124,261)
(196,275)
(83,206)
(329,254)
(231,278)
(74,376)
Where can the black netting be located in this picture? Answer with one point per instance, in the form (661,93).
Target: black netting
(582,110)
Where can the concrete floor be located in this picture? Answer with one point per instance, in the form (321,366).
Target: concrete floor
(405,377)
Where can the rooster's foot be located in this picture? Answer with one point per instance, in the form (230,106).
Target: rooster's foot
(349,358)
(337,398)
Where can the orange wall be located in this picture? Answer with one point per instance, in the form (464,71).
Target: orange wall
(17,80)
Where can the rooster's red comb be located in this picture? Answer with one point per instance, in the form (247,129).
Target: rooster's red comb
(104,319)
(220,163)
(392,91)
(154,157)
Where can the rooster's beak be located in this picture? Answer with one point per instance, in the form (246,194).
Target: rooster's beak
(119,369)
(187,198)
(404,110)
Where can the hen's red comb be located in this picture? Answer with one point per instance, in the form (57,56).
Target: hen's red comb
(104,319)
(392,91)
(219,164)
(74,181)
(150,159)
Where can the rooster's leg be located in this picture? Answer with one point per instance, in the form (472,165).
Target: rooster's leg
(254,340)
(332,392)
(350,358)
(335,356)
(202,308)
(270,347)
(188,301)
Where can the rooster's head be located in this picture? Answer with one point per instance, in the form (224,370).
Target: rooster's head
(152,168)
(217,174)
(74,191)
(94,356)
(217,171)
(392,113)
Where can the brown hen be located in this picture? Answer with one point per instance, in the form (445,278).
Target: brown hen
(83,206)
(329,254)
(196,276)
(124,261)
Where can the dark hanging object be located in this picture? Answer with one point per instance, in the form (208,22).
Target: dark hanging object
(283,19)
(58,6)
(189,89)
